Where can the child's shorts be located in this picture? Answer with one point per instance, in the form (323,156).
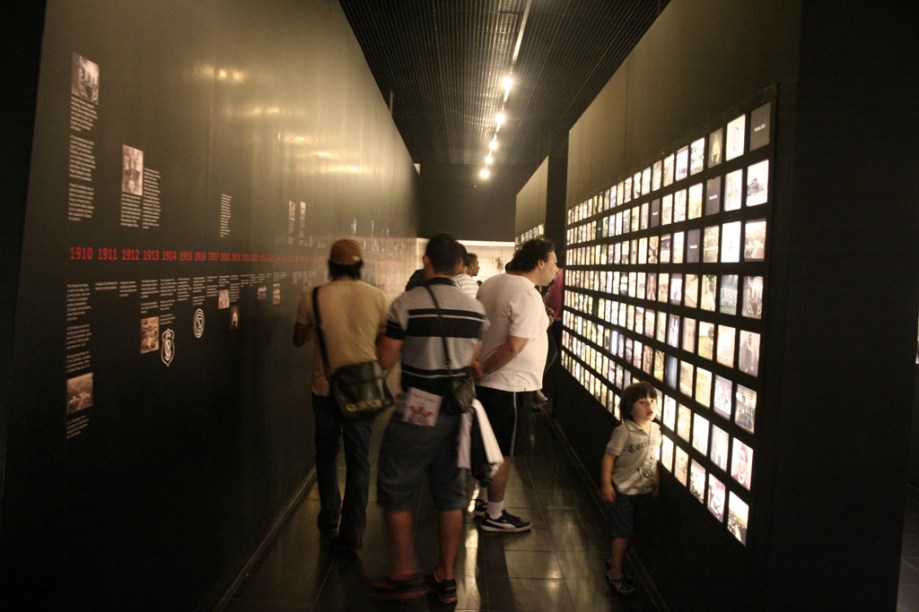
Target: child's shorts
(625,516)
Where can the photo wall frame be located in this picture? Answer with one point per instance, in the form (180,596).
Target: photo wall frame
(666,282)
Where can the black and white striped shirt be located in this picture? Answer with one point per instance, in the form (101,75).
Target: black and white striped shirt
(413,319)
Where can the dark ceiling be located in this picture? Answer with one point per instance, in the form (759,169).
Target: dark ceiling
(440,63)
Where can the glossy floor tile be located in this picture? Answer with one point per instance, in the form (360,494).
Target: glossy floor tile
(558,565)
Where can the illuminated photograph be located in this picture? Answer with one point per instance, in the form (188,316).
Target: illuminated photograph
(736,132)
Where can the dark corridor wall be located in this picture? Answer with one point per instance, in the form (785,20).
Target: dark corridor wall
(454,199)
(191,163)
(839,312)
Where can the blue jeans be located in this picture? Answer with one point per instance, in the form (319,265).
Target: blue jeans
(330,428)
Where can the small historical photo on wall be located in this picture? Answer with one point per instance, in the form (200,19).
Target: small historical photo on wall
(723,399)
(730,242)
(719,449)
(703,392)
(736,132)
(149,335)
(758,183)
(715,147)
(689,336)
(682,163)
(697,480)
(726,342)
(748,358)
(754,248)
(686,378)
(728,302)
(716,495)
(706,340)
(753,297)
(742,464)
(694,206)
(667,453)
(667,209)
(691,291)
(84,80)
(681,466)
(709,287)
(79,393)
(679,206)
(668,170)
(733,190)
(669,416)
(684,422)
(745,409)
(738,513)
(132,170)
(697,156)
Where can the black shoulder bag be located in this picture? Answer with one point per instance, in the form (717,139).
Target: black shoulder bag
(359,390)
(460,390)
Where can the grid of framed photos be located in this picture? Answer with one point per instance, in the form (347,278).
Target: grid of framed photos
(534,232)
(665,283)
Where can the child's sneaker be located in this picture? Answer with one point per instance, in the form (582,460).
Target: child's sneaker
(621,585)
(444,590)
(480,507)
(506,523)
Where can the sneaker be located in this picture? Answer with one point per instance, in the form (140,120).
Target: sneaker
(480,507)
(506,523)
(444,590)
(621,585)
(390,589)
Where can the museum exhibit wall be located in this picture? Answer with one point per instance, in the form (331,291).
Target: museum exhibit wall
(540,203)
(800,233)
(530,209)
(190,166)
(454,199)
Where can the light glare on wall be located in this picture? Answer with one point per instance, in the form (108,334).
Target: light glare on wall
(485,173)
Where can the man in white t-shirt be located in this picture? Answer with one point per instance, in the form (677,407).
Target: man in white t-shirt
(465,280)
(514,355)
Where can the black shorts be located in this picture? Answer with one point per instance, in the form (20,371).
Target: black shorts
(626,515)
(510,414)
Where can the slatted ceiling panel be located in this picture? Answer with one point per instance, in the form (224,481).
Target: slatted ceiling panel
(444,60)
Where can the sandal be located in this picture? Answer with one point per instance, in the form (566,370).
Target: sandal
(391,589)
(621,585)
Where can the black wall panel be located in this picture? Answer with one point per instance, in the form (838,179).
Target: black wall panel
(147,457)
(826,516)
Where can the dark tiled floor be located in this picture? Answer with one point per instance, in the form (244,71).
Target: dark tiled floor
(559,565)
(908,600)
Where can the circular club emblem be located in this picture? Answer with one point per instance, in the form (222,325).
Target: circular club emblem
(168,347)
(199,323)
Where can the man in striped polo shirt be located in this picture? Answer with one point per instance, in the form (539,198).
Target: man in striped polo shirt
(421,439)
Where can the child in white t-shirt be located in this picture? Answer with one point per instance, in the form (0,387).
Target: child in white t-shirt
(629,476)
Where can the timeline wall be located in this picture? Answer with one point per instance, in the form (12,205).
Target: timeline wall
(191,164)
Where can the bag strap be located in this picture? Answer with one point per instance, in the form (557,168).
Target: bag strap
(322,349)
(440,320)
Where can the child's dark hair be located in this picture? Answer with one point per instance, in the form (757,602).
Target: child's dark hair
(632,394)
